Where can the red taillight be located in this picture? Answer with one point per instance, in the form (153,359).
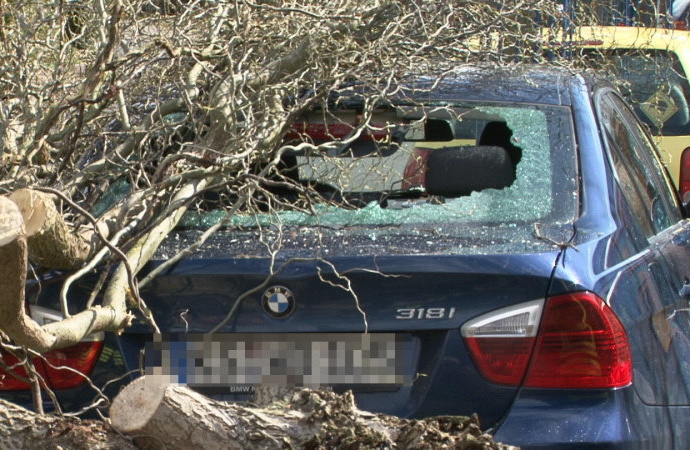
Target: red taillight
(65,368)
(501,341)
(581,344)
(62,369)
(9,382)
(684,176)
(501,360)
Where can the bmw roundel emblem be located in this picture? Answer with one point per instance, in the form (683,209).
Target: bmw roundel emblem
(278,301)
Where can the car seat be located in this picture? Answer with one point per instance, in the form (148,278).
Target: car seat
(458,171)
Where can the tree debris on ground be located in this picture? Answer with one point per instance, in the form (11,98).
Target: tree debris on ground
(21,429)
(174,416)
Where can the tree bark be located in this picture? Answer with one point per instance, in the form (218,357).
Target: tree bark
(14,320)
(23,429)
(52,243)
(159,415)
(13,261)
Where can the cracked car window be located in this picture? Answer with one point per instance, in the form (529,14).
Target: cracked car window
(463,171)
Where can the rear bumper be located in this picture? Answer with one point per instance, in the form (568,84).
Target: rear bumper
(537,418)
(575,419)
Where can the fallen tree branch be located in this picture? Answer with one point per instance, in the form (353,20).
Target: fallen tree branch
(159,415)
(52,244)
(24,429)
(14,320)
(13,260)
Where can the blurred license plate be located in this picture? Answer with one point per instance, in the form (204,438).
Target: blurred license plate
(309,359)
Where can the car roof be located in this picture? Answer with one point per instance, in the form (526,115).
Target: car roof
(523,83)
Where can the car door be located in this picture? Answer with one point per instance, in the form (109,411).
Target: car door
(649,194)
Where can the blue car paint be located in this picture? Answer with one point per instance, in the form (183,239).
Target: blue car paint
(568,419)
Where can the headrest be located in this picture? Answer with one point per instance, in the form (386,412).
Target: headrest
(437,130)
(458,171)
(498,133)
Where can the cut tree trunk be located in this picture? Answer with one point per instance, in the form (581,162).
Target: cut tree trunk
(52,243)
(159,415)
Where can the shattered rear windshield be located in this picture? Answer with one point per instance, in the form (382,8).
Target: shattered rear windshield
(460,171)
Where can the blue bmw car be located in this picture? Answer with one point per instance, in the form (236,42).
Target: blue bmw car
(499,241)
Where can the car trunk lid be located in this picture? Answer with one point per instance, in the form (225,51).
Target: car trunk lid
(402,313)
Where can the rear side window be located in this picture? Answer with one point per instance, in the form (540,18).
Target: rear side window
(637,169)
(653,81)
